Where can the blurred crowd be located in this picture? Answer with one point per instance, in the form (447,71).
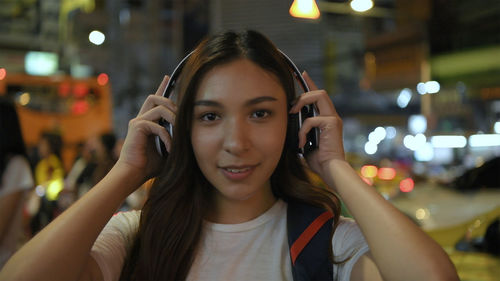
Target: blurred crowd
(35,187)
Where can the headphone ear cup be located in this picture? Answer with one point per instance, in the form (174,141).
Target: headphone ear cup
(161,148)
(293,131)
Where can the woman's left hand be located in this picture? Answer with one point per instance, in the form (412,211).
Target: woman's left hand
(328,122)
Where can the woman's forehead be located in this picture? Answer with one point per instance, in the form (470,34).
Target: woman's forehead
(242,79)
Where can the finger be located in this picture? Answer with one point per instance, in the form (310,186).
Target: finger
(153,101)
(152,128)
(162,86)
(322,123)
(309,81)
(313,87)
(158,112)
(157,129)
(318,97)
(165,137)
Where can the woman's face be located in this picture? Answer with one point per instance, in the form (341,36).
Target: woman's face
(239,130)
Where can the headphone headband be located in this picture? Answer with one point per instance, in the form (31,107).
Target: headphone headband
(178,69)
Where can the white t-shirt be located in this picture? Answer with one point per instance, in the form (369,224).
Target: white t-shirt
(16,177)
(253,250)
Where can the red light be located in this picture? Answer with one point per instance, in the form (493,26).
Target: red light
(80,107)
(3,73)
(102,79)
(64,89)
(80,90)
(369,171)
(406,185)
(386,173)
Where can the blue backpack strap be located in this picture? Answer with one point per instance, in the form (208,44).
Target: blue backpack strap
(309,231)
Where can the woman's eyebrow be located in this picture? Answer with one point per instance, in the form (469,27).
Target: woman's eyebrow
(207,103)
(247,103)
(260,99)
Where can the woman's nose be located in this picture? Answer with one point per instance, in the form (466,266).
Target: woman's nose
(236,137)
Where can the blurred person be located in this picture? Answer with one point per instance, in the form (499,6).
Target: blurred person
(16,181)
(49,179)
(49,170)
(104,155)
(76,176)
(218,208)
(79,163)
(102,159)
(97,158)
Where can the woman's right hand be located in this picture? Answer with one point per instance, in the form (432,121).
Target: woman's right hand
(139,151)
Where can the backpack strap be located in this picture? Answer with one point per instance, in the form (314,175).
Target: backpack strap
(309,231)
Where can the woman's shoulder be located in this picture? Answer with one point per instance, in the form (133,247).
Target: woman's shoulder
(114,242)
(129,219)
(18,162)
(129,214)
(17,175)
(120,229)
(347,227)
(348,237)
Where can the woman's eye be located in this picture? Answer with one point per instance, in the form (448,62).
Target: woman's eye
(209,117)
(261,114)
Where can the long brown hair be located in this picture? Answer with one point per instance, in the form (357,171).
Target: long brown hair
(171,221)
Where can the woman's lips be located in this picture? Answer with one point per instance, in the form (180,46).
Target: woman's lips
(237,173)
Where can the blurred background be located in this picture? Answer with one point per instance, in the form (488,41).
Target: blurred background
(417,84)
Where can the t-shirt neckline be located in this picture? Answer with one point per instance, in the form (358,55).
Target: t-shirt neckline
(273,212)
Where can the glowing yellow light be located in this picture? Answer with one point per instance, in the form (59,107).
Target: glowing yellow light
(24,99)
(304,9)
(422,213)
(477,223)
(53,189)
(369,171)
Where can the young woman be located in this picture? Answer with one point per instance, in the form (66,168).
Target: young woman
(16,180)
(217,210)
(49,175)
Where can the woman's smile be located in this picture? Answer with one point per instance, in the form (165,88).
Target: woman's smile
(238,173)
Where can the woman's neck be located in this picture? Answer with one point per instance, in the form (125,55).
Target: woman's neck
(227,211)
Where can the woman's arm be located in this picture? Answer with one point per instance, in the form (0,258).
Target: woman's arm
(61,251)
(400,249)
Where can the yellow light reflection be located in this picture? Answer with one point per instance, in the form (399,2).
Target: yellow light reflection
(24,99)
(304,9)
(422,213)
(53,189)
(477,223)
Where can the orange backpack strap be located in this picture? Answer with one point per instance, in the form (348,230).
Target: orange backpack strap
(309,231)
